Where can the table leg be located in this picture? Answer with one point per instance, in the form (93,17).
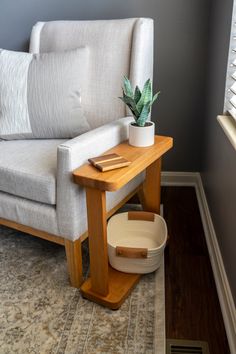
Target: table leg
(106,286)
(150,194)
(97,231)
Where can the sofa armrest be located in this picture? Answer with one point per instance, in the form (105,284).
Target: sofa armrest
(95,142)
(72,154)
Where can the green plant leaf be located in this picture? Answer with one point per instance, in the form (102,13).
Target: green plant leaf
(146,95)
(137,94)
(127,87)
(155,97)
(144,114)
(139,102)
(133,113)
(131,104)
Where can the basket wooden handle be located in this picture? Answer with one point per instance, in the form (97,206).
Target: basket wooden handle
(130,252)
(141,215)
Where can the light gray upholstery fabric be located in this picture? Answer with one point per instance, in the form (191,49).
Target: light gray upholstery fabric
(53,84)
(71,205)
(26,212)
(28,169)
(110,46)
(141,61)
(56,82)
(14,115)
(70,211)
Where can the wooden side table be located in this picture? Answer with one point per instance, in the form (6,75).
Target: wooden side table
(107,286)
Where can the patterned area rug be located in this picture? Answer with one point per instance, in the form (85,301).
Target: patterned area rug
(41,314)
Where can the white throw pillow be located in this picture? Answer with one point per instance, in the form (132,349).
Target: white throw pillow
(40,94)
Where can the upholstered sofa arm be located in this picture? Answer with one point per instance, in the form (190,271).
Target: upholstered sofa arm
(94,142)
(74,153)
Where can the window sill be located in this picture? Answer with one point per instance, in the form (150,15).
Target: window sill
(228,125)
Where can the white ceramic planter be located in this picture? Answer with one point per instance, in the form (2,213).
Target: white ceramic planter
(141,136)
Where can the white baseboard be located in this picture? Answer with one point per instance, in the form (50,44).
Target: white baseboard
(220,276)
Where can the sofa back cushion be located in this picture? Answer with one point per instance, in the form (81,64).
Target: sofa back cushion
(115,46)
(40,94)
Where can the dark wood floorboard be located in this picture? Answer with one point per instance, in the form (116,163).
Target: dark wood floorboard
(192,307)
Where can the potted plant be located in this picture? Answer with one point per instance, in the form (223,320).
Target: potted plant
(141,131)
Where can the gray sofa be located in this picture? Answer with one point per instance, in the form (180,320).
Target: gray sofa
(37,194)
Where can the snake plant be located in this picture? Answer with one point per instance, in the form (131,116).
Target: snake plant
(139,102)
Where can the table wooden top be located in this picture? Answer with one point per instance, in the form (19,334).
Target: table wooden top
(140,157)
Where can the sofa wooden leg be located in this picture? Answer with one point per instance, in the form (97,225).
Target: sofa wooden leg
(74,262)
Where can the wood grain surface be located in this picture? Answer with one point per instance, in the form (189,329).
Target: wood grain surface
(192,306)
(140,157)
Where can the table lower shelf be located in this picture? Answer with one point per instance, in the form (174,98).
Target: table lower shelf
(120,286)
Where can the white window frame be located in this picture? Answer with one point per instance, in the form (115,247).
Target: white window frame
(228,120)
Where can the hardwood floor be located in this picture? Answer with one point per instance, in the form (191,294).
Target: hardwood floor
(192,307)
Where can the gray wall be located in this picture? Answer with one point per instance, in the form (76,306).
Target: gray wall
(180,57)
(219,158)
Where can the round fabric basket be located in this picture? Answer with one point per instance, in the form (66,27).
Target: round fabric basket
(136,241)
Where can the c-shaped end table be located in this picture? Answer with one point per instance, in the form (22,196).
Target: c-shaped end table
(107,286)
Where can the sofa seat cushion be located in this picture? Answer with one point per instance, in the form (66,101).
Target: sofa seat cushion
(28,169)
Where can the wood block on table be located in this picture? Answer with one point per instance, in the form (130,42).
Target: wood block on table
(109,162)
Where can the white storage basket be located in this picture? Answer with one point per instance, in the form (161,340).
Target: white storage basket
(136,241)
